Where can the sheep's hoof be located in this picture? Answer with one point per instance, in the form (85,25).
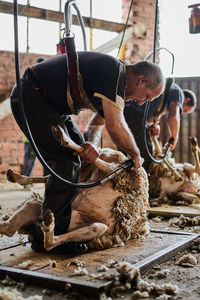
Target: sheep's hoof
(48,221)
(48,218)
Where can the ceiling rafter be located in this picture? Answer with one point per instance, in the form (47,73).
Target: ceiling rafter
(57,16)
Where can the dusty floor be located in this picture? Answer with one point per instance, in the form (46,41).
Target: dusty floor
(187,279)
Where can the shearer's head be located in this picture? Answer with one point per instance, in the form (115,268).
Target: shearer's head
(39,59)
(144,81)
(190,101)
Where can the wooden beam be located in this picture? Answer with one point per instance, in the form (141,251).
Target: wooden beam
(56,16)
(170,211)
(136,31)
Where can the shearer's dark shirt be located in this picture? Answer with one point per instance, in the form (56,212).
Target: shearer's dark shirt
(175,94)
(101,77)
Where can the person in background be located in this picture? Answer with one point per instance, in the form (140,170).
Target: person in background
(29,161)
(172,102)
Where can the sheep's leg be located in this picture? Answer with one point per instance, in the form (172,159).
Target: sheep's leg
(177,175)
(188,169)
(21,179)
(28,213)
(79,235)
(156,144)
(165,163)
(195,152)
(188,197)
(65,141)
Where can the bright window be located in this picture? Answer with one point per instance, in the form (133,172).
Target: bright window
(44,35)
(175,36)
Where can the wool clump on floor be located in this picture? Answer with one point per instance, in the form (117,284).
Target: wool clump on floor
(128,279)
(9,293)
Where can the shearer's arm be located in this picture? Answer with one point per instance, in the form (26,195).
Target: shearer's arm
(173,122)
(92,135)
(94,128)
(120,133)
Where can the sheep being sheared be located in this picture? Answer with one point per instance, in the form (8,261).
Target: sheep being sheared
(175,183)
(107,215)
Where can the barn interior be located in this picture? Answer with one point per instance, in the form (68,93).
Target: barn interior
(157,257)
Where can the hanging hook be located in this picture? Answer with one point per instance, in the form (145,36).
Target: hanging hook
(162,48)
(68,20)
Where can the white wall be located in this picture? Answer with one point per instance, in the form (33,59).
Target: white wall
(174,35)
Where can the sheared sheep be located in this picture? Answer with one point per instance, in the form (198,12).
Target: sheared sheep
(175,183)
(107,215)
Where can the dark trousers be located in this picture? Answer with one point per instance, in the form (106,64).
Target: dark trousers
(29,159)
(134,119)
(41,116)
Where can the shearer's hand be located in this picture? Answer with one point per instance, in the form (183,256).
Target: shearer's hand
(171,143)
(89,153)
(138,161)
(154,130)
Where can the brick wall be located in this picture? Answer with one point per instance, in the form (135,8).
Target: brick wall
(7,70)
(11,137)
(143,11)
(11,145)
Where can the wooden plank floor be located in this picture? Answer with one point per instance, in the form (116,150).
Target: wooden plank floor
(132,252)
(175,211)
(14,251)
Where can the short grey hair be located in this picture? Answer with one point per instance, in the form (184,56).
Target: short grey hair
(150,70)
(190,94)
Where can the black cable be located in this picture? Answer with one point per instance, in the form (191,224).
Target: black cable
(148,102)
(171,141)
(127,164)
(125,26)
(120,45)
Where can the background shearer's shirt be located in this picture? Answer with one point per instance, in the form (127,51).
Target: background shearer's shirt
(175,94)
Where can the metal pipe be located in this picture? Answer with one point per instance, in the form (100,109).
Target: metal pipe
(82,25)
(155,32)
(162,48)
(68,17)
(68,20)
